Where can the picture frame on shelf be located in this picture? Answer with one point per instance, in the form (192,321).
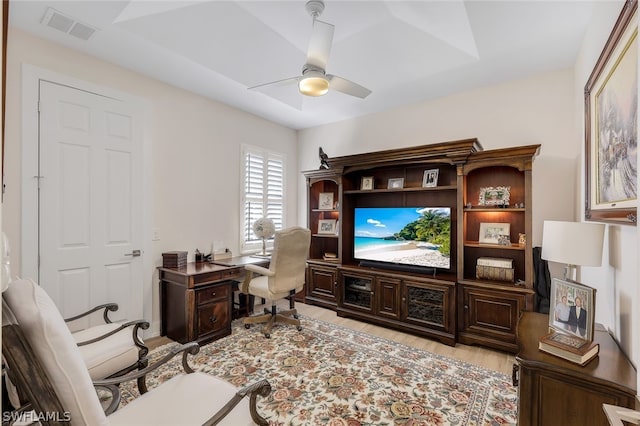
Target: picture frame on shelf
(494,196)
(395,183)
(325,201)
(430,178)
(611,140)
(366,184)
(565,315)
(327,226)
(494,233)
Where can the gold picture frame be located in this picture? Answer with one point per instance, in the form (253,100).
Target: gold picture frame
(610,97)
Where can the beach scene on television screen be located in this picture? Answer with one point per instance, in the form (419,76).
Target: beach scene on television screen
(406,235)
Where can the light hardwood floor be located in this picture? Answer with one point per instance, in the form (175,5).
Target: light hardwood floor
(484,357)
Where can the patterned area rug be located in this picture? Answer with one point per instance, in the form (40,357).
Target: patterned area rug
(330,375)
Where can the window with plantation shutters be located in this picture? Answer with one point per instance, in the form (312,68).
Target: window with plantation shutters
(262,193)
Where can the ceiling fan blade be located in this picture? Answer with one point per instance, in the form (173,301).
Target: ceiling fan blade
(345,86)
(283,82)
(320,44)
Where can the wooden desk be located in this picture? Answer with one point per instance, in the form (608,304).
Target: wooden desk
(553,391)
(244,306)
(196,301)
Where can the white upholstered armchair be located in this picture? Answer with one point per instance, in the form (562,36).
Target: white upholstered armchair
(284,278)
(44,361)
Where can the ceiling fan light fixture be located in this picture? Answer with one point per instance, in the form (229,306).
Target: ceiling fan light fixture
(313,84)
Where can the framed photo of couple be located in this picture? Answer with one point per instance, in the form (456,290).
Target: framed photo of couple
(572,308)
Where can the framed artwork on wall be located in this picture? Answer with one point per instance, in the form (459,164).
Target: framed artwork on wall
(611,108)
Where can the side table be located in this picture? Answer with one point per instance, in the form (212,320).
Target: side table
(553,391)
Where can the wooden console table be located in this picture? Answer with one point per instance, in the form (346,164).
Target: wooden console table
(553,391)
(196,301)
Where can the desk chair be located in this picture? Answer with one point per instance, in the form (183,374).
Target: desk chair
(284,278)
(44,361)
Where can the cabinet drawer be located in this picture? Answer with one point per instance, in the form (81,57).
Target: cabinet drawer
(212,318)
(212,293)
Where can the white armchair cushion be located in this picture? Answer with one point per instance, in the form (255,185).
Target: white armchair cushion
(108,355)
(187,399)
(51,340)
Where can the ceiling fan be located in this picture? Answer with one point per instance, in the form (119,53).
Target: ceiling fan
(314,80)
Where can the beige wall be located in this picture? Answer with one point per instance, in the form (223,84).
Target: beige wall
(616,281)
(535,110)
(195,154)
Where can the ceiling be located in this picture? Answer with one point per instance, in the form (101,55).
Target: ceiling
(403,51)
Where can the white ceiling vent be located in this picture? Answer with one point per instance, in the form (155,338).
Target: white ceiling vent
(67,24)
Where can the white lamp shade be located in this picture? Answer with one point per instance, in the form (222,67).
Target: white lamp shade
(573,243)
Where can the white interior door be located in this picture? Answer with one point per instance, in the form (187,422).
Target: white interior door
(90,202)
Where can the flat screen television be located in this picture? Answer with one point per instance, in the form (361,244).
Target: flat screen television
(415,237)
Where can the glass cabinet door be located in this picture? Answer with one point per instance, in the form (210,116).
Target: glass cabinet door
(357,291)
(425,304)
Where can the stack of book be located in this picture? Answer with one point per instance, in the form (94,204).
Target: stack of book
(330,257)
(569,347)
(494,268)
(174,259)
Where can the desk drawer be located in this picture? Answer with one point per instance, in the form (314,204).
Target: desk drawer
(213,318)
(212,293)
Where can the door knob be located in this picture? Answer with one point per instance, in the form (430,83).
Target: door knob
(134,253)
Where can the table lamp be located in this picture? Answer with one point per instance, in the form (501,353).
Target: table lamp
(573,243)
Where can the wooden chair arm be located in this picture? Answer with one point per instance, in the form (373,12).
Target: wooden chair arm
(190,348)
(115,397)
(107,307)
(260,388)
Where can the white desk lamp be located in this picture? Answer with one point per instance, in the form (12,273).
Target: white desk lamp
(573,243)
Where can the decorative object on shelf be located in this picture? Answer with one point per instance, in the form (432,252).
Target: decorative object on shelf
(522,239)
(430,178)
(504,240)
(330,257)
(491,233)
(494,196)
(327,226)
(495,268)
(572,308)
(367,183)
(572,243)
(494,273)
(395,183)
(324,159)
(325,201)
(611,107)
(264,228)
(498,262)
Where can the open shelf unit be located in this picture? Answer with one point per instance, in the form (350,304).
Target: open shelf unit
(452,305)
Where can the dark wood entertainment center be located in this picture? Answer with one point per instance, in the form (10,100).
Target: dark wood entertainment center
(450,305)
